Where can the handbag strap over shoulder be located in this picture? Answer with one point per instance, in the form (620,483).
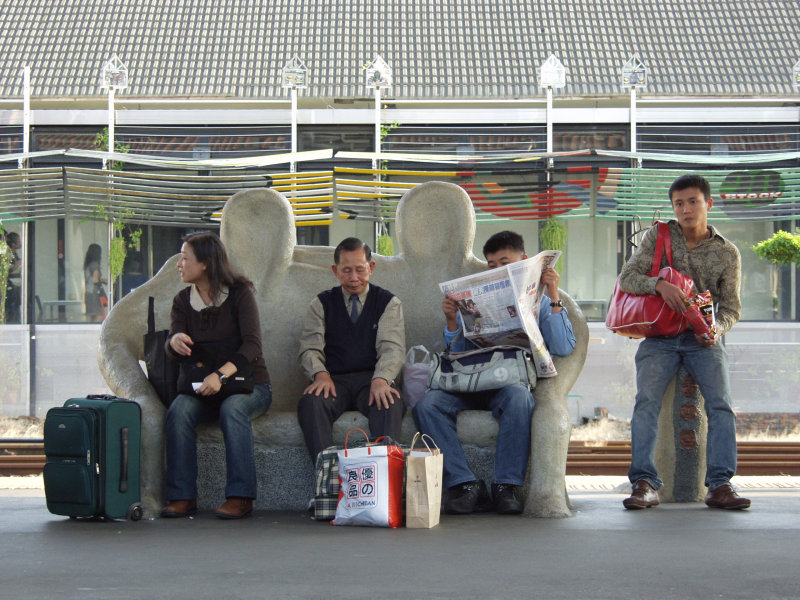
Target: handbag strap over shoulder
(151,315)
(663,244)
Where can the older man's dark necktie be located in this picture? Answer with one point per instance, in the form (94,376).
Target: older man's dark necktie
(354,308)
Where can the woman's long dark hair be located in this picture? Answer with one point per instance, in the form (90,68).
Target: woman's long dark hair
(93,254)
(208,249)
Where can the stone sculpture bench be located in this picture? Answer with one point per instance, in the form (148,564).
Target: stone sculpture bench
(259,233)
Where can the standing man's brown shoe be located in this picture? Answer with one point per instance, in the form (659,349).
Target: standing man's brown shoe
(644,496)
(725,496)
(235,508)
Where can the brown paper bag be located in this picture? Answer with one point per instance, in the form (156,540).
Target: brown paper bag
(423,484)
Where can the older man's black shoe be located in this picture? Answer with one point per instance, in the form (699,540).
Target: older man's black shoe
(644,496)
(467,498)
(726,497)
(507,499)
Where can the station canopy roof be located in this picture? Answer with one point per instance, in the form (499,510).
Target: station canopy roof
(447,49)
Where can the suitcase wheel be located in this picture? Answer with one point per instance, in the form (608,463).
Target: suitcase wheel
(135,512)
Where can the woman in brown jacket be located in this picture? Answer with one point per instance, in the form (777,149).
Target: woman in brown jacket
(216,334)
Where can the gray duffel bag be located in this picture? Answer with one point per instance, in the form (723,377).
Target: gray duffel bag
(482,369)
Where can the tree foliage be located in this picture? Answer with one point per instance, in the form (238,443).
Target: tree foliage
(101,144)
(782,248)
(553,236)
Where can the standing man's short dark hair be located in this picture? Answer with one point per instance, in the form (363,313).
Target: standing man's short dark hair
(691,180)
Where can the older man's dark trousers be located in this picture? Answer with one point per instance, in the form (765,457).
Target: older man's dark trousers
(317,413)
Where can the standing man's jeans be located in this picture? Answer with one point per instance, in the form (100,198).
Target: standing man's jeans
(437,412)
(234,413)
(657,362)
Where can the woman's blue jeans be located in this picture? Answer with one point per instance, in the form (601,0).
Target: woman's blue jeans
(657,362)
(234,414)
(436,414)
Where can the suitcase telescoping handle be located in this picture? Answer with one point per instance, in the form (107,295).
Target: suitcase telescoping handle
(123,467)
(101,397)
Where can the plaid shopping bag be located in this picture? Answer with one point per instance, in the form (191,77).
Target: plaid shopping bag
(326,489)
(326,486)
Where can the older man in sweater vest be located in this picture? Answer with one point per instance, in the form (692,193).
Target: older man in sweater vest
(352,348)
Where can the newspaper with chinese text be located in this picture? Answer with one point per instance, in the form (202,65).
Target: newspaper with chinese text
(501,307)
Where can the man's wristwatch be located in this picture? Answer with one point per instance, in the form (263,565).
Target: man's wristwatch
(223,379)
(557,303)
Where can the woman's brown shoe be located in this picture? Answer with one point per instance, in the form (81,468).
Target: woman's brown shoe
(179,508)
(235,508)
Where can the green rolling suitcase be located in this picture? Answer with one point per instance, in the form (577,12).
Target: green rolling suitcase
(93,458)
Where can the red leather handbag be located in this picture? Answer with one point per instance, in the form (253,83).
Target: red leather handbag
(647,315)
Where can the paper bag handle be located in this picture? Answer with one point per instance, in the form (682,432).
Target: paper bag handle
(422,436)
(369,448)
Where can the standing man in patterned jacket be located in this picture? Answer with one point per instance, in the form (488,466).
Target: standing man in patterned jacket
(699,251)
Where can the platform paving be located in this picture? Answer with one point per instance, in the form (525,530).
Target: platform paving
(674,551)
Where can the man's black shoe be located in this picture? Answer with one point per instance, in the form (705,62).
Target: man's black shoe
(507,499)
(466,498)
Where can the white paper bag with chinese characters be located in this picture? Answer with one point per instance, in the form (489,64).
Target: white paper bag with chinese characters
(371,490)
(423,484)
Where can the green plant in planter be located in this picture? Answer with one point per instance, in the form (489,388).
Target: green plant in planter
(782,248)
(101,144)
(124,236)
(553,236)
(385,245)
(386,129)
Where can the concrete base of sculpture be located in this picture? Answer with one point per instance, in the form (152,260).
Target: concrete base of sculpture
(259,233)
(285,472)
(681,448)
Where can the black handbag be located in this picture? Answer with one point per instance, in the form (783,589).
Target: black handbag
(206,358)
(162,371)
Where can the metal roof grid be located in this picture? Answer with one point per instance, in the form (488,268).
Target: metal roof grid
(450,48)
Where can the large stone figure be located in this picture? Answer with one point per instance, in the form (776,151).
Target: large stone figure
(435,231)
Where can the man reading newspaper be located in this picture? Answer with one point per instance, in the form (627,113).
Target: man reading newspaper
(512,405)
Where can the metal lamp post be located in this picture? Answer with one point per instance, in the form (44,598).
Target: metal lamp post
(114,76)
(552,74)
(26,115)
(294,76)
(634,74)
(378,76)
(22,163)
